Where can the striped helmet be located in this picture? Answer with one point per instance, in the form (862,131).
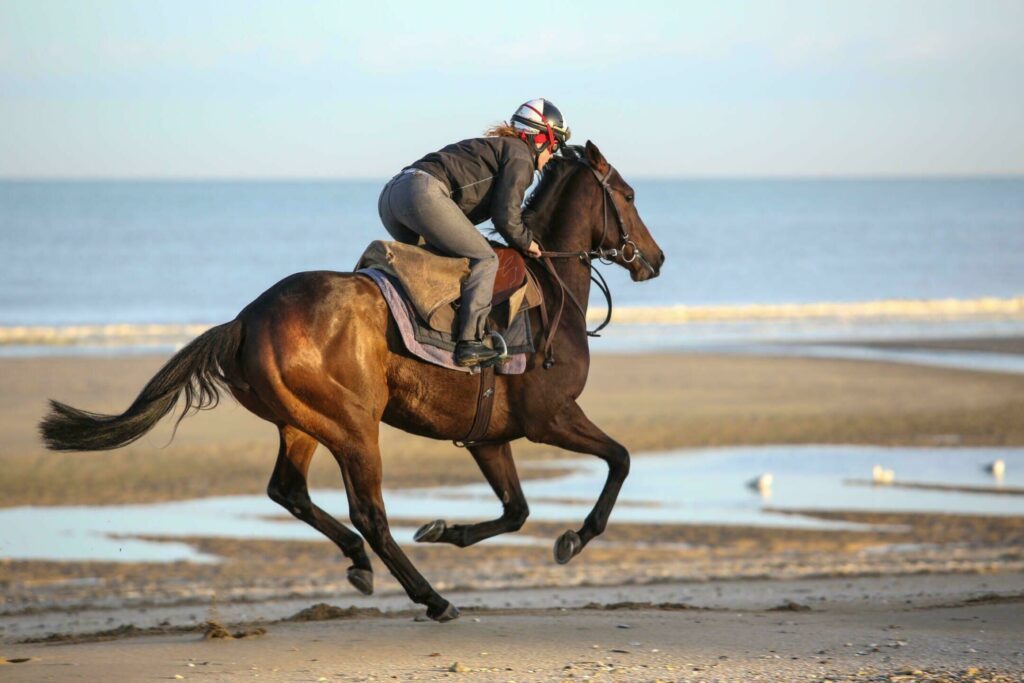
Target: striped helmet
(541,122)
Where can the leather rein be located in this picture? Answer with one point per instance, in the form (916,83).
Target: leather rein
(603,255)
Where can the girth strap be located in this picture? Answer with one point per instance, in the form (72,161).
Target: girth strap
(484,408)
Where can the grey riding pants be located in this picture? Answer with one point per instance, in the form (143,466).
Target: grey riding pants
(415,204)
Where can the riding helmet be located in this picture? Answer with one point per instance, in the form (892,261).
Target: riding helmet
(541,120)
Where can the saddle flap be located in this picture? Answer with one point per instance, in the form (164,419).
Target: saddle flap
(511,274)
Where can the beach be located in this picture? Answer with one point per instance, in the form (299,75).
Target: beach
(793,238)
(705,601)
(804,338)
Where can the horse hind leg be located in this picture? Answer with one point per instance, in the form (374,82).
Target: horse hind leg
(361,467)
(495,461)
(288,488)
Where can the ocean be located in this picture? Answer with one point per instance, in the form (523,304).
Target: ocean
(195,252)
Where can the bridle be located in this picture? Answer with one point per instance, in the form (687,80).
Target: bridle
(606,256)
(602,254)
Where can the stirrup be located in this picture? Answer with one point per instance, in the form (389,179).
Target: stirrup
(502,356)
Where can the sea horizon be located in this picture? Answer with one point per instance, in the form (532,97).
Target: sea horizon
(192,251)
(629,175)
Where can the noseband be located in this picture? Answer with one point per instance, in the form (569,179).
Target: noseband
(607,256)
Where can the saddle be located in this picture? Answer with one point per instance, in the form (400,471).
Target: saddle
(422,289)
(511,276)
(432,282)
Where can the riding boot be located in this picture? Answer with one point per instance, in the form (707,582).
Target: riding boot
(472,352)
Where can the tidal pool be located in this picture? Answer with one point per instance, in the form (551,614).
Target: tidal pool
(696,486)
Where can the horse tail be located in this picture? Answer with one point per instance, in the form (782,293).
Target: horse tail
(197,371)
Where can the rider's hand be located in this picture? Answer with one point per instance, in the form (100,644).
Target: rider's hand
(534,250)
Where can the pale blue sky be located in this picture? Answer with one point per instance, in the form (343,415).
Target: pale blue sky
(358,89)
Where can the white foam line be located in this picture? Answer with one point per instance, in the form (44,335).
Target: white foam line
(125,334)
(987,308)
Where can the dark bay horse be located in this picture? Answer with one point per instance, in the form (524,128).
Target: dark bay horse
(319,355)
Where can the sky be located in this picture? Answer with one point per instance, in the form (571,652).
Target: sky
(298,89)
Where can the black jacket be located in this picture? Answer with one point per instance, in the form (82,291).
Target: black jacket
(487,178)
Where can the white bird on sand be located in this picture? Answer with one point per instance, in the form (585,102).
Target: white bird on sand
(762,483)
(997,468)
(880,475)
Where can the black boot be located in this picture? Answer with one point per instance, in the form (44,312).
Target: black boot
(469,353)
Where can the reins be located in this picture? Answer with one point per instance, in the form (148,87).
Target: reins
(595,276)
(602,254)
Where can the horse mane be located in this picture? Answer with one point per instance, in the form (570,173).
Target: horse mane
(540,205)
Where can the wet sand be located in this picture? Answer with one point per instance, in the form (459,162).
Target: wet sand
(271,579)
(1005,345)
(675,400)
(964,628)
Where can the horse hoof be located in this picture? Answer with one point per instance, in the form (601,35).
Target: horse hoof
(449,613)
(362,579)
(430,533)
(567,545)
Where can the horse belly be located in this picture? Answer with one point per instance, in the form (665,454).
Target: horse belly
(431,401)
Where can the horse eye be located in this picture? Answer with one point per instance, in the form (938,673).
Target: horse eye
(629,198)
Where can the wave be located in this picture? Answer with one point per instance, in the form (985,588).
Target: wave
(987,308)
(121,334)
(172,334)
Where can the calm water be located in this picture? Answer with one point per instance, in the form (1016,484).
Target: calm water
(689,486)
(101,252)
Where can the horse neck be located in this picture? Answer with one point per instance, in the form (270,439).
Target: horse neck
(574,272)
(569,234)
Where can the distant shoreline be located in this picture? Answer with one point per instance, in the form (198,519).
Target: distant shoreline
(381,179)
(161,336)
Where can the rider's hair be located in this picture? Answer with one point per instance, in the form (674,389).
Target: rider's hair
(501,130)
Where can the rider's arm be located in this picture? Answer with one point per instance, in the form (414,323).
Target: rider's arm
(506,205)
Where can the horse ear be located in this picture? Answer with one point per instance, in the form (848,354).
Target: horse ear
(595,158)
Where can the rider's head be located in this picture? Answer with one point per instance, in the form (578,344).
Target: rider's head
(541,124)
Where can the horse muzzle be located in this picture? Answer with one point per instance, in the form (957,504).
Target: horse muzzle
(641,269)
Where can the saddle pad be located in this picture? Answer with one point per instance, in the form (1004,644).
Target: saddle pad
(431,281)
(405,317)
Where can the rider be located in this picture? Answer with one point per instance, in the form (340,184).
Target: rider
(445,194)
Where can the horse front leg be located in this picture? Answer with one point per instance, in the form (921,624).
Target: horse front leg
(572,430)
(495,461)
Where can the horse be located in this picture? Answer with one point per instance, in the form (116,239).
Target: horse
(319,355)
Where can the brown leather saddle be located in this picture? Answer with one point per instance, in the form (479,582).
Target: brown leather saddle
(511,274)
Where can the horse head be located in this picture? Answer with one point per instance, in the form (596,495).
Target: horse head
(582,202)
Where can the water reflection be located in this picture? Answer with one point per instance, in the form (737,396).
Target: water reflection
(706,486)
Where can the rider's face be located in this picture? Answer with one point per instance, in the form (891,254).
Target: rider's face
(543,158)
